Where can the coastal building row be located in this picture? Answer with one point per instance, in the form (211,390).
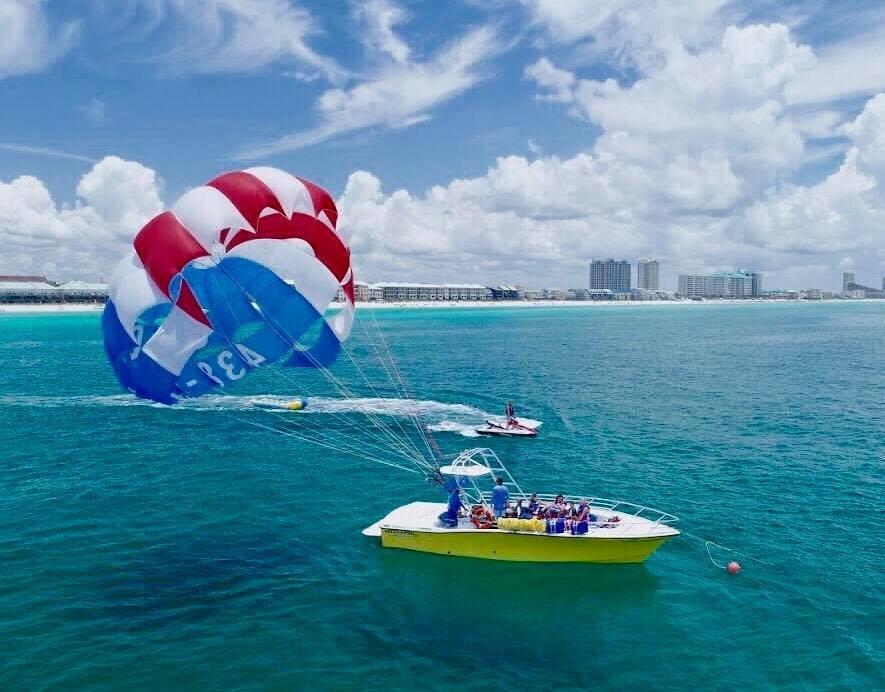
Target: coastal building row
(38,289)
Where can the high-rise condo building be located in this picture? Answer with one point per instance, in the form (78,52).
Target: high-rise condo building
(847,278)
(610,274)
(720,285)
(647,274)
(756,283)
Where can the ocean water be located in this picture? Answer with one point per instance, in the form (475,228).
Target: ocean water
(191,548)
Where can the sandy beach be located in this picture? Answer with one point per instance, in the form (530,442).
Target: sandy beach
(68,308)
(51,308)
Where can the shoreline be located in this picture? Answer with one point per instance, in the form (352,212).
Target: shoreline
(86,308)
(602,304)
(49,308)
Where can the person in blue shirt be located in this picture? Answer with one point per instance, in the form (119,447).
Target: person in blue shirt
(500,497)
(454,507)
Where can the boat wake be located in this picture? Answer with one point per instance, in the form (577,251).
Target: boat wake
(439,416)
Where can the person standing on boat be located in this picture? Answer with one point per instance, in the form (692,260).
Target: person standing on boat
(500,497)
(509,414)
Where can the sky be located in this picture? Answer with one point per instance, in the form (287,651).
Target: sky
(490,141)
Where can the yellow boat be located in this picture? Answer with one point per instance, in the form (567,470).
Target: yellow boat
(620,532)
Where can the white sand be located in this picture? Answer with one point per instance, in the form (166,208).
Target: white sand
(68,308)
(588,303)
(51,308)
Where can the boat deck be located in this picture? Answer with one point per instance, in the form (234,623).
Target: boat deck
(424,517)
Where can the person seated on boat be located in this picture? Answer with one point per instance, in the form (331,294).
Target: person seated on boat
(500,497)
(523,511)
(582,513)
(454,507)
(510,511)
(570,511)
(534,507)
(557,509)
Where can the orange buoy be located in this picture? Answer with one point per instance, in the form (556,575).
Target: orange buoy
(733,568)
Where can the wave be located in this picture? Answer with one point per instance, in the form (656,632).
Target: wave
(439,416)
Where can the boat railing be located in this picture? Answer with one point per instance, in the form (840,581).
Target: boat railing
(655,516)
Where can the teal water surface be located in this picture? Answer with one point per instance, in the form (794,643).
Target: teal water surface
(155,548)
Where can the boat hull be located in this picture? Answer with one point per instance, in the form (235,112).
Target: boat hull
(506,433)
(523,547)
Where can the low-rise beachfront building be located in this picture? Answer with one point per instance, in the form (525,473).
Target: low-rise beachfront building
(504,292)
(642,294)
(366,292)
(398,292)
(859,291)
(28,289)
(83,292)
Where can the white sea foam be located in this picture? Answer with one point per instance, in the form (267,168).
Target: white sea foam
(454,427)
(439,416)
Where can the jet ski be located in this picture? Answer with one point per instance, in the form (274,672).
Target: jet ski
(514,428)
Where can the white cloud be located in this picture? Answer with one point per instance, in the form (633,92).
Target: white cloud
(631,32)
(93,110)
(534,147)
(84,239)
(29,42)
(379,18)
(720,111)
(849,68)
(558,84)
(235,36)
(43,151)
(644,33)
(400,95)
(694,165)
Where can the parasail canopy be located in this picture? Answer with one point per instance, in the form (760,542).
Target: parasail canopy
(238,274)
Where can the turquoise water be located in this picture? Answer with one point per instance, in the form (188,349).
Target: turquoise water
(156,548)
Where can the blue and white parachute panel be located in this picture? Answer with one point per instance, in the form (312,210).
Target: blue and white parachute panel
(237,275)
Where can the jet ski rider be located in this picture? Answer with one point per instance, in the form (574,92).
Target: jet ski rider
(510,415)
